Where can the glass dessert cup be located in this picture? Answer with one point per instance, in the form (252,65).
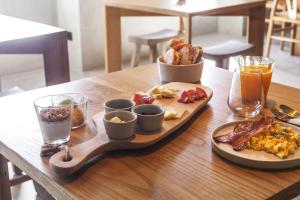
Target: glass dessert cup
(255,65)
(79,111)
(54,120)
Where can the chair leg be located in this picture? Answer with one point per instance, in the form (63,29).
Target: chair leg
(293,35)
(135,58)
(153,53)
(42,194)
(163,48)
(219,63)
(222,63)
(225,63)
(16,170)
(269,34)
(282,34)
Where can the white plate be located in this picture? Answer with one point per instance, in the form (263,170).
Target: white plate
(251,158)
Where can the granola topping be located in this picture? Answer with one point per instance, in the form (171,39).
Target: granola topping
(52,114)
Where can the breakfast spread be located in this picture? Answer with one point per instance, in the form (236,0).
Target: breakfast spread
(135,123)
(160,92)
(181,53)
(262,135)
(190,96)
(55,123)
(142,98)
(116,120)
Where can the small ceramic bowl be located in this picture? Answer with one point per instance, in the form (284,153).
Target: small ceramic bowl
(120,130)
(118,104)
(179,73)
(149,116)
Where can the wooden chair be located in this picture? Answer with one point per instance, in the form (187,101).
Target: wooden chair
(280,8)
(221,53)
(291,16)
(151,40)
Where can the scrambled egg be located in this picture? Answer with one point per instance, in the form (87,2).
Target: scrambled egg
(278,140)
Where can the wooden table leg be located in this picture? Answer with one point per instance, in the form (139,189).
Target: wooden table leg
(5,193)
(186,27)
(256,25)
(113,51)
(56,60)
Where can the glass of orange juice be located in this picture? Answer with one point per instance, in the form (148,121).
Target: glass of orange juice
(251,66)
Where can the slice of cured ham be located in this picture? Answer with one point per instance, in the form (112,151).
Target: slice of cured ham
(242,133)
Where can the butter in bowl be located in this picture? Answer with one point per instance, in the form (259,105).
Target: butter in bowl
(181,63)
(120,124)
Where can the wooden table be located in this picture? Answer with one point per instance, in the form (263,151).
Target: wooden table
(182,166)
(20,36)
(115,9)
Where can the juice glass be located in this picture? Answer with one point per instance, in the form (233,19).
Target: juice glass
(251,66)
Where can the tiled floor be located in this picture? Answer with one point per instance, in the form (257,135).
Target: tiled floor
(287,71)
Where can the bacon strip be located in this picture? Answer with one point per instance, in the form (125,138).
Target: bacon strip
(242,133)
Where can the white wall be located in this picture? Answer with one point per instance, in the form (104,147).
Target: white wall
(43,11)
(68,17)
(92,39)
(231,25)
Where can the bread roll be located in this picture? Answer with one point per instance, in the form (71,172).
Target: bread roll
(186,54)
(177,44)
(197,54)
(172,57)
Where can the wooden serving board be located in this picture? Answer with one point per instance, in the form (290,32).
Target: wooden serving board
(102,143)
(251,158)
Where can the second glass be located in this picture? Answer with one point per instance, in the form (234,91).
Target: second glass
(246,96)
(79,111)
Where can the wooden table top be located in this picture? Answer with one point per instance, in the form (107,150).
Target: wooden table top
(190,8)
(182,166)
(14,28)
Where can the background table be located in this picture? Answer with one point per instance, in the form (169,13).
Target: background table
(20,36)
(182,166)
(115,9)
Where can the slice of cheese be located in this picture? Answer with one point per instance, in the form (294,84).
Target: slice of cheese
(155,90)
(170,114)
(174,113)
(180,112)
(162,92)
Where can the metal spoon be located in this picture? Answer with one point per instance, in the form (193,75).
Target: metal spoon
(289,111)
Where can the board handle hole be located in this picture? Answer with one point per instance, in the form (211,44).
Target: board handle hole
(67,158)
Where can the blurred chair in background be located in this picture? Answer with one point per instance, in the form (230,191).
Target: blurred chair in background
(289,16)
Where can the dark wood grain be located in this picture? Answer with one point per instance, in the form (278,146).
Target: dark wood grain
(182,166)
